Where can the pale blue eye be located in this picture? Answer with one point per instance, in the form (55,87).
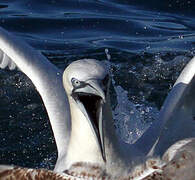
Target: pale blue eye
(75,82)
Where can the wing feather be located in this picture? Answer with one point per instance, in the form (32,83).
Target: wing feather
(47,79)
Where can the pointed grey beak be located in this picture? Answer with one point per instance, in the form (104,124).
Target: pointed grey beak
(94,88)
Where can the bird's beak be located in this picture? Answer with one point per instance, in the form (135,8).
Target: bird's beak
(90,99)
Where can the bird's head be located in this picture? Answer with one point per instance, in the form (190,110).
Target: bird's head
(87,82)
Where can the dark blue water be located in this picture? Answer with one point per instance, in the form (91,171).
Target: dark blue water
(149,43)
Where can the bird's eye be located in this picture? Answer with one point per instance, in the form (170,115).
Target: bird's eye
(75,82)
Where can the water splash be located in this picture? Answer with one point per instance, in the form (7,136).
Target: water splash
(131,120)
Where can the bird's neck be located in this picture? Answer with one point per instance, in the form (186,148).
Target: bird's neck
(83,145)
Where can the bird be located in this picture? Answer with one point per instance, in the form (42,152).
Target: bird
(78,105)
(177,114)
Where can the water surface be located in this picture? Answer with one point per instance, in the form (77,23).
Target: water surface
(149,44)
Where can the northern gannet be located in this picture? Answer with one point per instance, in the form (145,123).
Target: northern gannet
(83,133)
(93,138)
(103,145)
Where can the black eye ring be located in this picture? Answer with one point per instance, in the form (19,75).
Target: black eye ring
(75,82)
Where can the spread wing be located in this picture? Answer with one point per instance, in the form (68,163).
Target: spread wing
(178,112)
(47,79)
(177,116)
